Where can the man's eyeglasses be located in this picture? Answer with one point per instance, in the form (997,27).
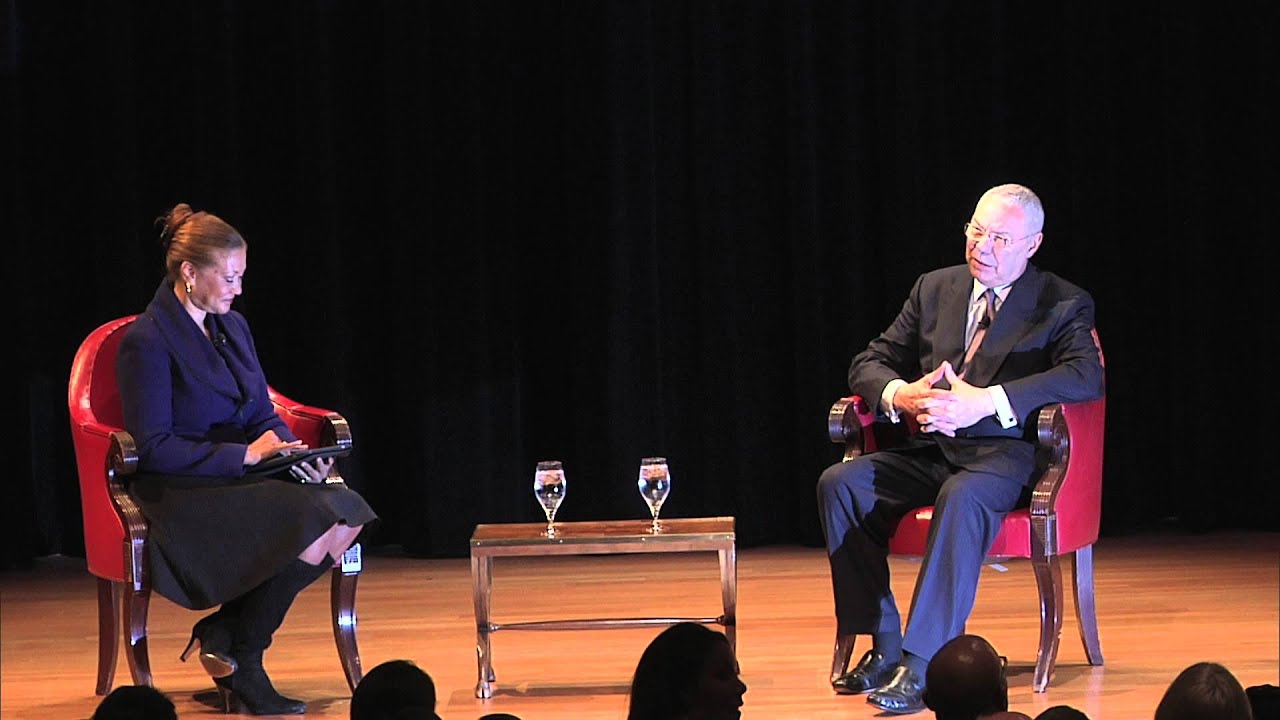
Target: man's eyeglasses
(975,233)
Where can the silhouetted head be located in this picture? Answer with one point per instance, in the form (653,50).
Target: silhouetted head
(135,702)
(1265,701)
(395,689)
(965,679)
(687,672)
(1204,691)
(1061,712)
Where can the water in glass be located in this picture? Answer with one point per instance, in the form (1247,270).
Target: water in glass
(654,484)
(549,487)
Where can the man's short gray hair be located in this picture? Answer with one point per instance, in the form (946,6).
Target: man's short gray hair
(1023,197)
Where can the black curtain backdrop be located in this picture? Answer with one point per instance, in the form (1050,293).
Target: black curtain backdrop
(491,233)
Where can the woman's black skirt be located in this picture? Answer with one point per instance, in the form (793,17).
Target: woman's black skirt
(214,539)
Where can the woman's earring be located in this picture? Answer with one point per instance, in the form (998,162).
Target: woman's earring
(186,284)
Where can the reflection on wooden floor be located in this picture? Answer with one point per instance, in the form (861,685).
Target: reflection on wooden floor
(1164,602)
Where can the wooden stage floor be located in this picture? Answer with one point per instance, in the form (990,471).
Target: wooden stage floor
(1165,601)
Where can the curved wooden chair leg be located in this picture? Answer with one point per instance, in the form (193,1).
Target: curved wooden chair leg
(134,617)
(1048,572)
(342,596)
(1086,611)
(108,634)
(841,655)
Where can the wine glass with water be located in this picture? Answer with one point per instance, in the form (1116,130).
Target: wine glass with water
(549,486)
(654,483)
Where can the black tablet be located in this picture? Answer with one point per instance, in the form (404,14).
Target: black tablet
(281,462)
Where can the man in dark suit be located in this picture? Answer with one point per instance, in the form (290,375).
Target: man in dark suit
(976,350)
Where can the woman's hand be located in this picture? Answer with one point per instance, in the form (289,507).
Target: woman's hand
(314,471)
(269,444)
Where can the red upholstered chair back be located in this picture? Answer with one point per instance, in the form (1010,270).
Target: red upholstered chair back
(1078,505)
(1079,501)
(94,403)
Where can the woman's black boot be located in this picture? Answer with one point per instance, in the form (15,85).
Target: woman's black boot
(249,689)
(261,611)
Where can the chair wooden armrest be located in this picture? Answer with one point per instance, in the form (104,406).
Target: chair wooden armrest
(845,423)
(317,427)
(122,460)
(1053,448)
(852,422)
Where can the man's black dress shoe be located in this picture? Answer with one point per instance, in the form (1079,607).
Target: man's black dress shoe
(872,671)
(902,695)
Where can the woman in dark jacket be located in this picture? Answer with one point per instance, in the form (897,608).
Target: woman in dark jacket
(195,400)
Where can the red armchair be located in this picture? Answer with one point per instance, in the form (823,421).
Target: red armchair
(1063,518)
(115,532)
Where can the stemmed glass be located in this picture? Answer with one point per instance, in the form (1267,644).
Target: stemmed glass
(549,486)
(654,484)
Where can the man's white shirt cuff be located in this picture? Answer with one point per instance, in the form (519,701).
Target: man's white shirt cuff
(1004,411)
(886,398)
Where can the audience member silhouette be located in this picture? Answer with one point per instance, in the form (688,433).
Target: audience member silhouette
(135,702)
(1204,691)
(688,672)
(396,689)
(965,680)
(1062,712)
(499,716)
(1265,701)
